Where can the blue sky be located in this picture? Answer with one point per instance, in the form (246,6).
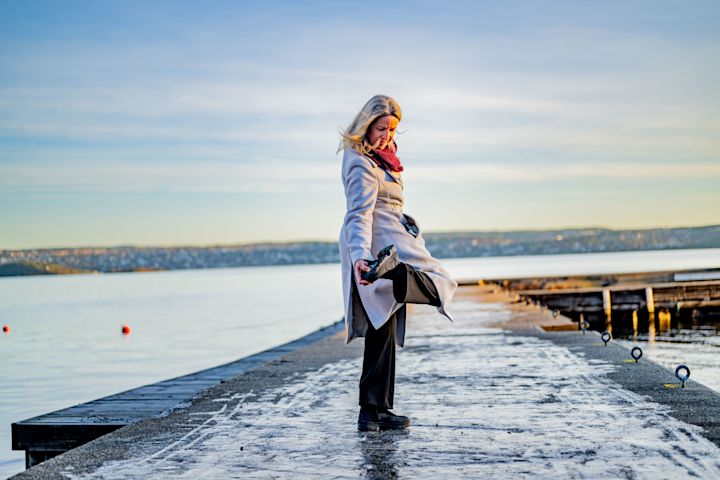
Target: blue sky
(175,123)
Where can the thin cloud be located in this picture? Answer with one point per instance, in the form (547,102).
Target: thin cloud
(480,174)
(298,177)
(196,177)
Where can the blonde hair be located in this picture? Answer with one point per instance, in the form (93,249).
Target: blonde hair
(355,136)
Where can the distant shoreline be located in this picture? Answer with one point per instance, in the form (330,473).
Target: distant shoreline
(484,234)
(63,261)
(35,268)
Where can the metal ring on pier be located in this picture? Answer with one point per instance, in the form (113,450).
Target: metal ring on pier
(584,325)
(636,353)
(605,336)
(682,378)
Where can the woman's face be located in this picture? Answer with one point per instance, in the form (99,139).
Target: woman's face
(382,131)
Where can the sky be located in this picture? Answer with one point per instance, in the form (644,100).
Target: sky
(206,123)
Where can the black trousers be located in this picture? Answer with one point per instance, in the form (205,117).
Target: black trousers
(377,382)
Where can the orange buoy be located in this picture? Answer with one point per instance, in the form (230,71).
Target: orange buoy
(6,329)
(125,330)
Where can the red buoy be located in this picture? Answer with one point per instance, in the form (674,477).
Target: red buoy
(6,328)
(125,330)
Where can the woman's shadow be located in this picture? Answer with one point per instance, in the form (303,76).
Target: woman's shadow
(379,450)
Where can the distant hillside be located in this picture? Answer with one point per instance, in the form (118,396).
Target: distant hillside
(442,245)
(583,240)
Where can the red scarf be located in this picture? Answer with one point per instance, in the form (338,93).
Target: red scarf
(386,158)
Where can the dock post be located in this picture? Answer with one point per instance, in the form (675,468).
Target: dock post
(607,306)
(33,457)
(651,327)
(635,324)
(650,305)
(664,319)
(649,300)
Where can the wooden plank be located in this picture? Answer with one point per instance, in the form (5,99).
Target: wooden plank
(57,437)
(708,285)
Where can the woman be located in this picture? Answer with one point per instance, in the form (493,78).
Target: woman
(376,291)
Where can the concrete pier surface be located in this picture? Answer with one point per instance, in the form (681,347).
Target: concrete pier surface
(489,396)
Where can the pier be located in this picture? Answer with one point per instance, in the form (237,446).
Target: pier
(507,387)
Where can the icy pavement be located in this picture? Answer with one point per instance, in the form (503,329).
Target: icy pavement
(484,403)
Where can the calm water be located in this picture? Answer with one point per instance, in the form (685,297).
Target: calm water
(65,345)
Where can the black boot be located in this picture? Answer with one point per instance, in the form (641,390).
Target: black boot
(372,419)
(368,420)
(387,260)
(390,421)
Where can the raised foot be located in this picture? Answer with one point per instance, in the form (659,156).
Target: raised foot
(387,259)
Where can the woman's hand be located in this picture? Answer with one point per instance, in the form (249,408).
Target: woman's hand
(361,266)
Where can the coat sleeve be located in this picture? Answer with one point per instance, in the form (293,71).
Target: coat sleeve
(361,190)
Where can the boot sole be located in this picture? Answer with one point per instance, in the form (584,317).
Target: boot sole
(374,427)
(395,426)
(368,427)
(388,262)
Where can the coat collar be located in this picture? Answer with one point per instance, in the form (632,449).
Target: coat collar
(395,176)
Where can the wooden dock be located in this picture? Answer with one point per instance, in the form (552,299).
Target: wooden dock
(632,307)
(630,296)
(51,434)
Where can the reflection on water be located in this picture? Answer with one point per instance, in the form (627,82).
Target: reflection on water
(697,326)
(379,451)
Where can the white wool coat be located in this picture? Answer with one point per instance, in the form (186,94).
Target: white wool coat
(374,219)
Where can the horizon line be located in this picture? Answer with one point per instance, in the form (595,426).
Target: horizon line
(296,241)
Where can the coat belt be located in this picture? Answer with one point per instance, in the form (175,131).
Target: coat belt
(388,205)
